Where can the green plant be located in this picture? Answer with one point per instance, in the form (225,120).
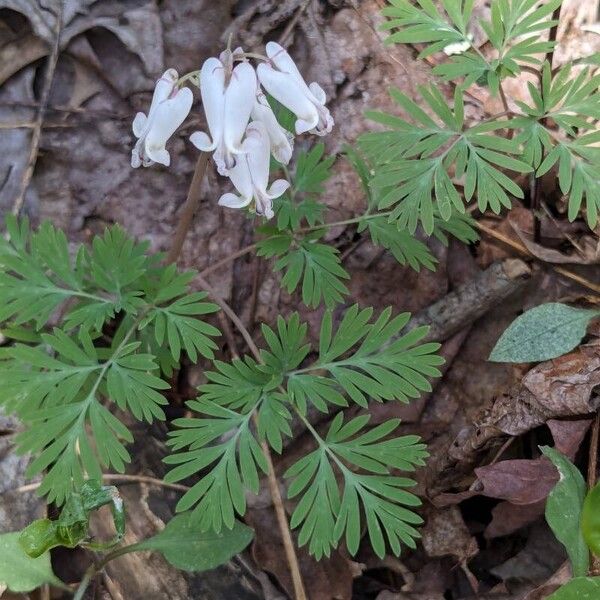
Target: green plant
(437,158)
(572,513)
(96,332)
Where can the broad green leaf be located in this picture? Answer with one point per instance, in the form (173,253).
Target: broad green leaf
(590,519)
(580,588)
(186,546)
(542,333)
(19,572)
(563,510)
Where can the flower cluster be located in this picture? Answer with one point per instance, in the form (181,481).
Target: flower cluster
(243,131)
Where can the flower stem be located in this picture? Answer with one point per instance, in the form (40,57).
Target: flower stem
(185,220)
(189,208)
(96,567)
(187,77)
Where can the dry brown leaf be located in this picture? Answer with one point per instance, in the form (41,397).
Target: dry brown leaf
(586,253)
(138,28)
(445,534)
(327,579)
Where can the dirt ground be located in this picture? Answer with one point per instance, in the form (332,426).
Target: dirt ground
(485,483)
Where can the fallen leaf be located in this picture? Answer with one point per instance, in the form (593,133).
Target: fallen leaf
(139,28)
(559,578)
(327,579)
(564,386)
(586,252)
(519,481)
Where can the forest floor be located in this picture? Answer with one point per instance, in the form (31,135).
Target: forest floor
(485,484)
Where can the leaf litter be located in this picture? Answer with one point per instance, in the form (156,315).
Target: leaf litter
(483,498)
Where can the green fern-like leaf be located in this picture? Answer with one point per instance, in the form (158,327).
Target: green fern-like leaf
(59,397)
(319,268)
(385,366)
(234,463)
(513,30)
(325,514)
(413,176)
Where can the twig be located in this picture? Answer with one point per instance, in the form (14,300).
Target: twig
(472,300)
(283,38)
(593,461)
(113,478)
(225,261)
(189,208)
(39,119)
(523,250)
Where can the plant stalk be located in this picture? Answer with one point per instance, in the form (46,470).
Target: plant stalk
(536,187)
(189,208)
(185,221)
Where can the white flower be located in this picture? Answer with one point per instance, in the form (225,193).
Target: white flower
(228,97)
(282,141)
(285,83)
(250,175)
(169,108)
(459,47)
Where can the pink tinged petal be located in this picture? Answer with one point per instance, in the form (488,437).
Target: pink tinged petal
(212,90)
(264,206)
(169,115)
(287,91)
(282,141)
(325,124)
(239,99)
(219,158)
(232,201)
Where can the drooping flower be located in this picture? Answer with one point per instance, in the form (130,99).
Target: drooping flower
(169,108)
(228,97)
(282,141)
(283,81)
(250,175)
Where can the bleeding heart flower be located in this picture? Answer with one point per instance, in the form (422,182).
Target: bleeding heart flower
(169,108)
(282,141)
(228,96)
(250,175)
(283,81)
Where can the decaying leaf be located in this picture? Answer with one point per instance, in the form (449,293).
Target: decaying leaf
(138,28)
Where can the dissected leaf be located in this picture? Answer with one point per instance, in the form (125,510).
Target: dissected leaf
(544,332)
(563,510)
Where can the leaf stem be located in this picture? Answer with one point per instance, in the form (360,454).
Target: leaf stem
(190,207)
(247,249)
(96,567)
(280,514)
